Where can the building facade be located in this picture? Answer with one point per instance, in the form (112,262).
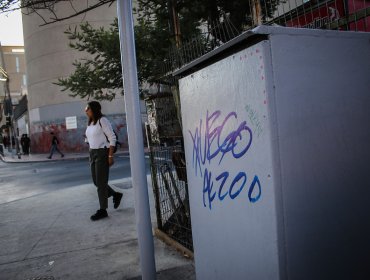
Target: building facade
(15,66)
(13,63)
(49,57)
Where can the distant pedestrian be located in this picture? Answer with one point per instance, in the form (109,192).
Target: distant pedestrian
(25,143)
(22,144)
(6,141)
(102,142)
(54,146)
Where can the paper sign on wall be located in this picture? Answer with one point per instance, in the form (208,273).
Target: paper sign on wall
(71,122)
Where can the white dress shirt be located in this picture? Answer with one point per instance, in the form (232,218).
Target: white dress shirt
(101,134)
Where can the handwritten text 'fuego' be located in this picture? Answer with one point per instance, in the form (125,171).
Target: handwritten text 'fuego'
(213,140)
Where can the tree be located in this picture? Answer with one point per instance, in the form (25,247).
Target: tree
(162,24)
(240,12)
(99,76)
(194,14)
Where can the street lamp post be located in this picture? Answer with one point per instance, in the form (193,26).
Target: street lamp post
(135,139)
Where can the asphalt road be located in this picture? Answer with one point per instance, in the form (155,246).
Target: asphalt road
(24,180)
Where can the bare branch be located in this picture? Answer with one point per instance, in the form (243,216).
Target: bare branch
(35,6)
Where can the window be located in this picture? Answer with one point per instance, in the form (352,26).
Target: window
(17,63)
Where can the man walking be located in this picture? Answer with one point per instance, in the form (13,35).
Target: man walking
(54,146)
(25,143)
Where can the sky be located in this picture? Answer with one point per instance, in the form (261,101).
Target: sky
(11,30)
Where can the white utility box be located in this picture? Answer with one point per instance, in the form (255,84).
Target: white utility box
(276,127)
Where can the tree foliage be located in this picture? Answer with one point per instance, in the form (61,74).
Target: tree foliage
(196,14)
(99,76)
(161,24)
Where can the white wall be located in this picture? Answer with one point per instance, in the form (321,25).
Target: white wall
(228,148)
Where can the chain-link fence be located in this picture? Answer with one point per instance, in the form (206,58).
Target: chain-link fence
(168,169)
(171,193)
(352,15)
(343,15)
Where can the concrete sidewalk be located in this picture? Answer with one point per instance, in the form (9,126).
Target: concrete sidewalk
(50,236)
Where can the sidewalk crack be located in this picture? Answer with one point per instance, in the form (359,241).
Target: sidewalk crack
(71,251)
(42,236)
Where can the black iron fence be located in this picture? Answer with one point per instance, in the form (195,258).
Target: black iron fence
(171,193)
(343,15)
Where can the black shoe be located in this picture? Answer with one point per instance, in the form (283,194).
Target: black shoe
(62,156)
(49,157)
(100,214)
(117,199)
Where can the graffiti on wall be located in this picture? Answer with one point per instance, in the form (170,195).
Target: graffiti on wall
(254,119)
(72,140)
(217,139)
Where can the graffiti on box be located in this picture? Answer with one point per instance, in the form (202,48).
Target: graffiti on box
(254,119)
(215,141)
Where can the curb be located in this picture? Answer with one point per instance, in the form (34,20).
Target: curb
(3,159)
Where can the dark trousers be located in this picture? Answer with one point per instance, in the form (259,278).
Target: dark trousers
(25,149)
(53,149)
(100,175)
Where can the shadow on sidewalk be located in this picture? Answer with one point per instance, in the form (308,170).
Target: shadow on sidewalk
(186,272)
